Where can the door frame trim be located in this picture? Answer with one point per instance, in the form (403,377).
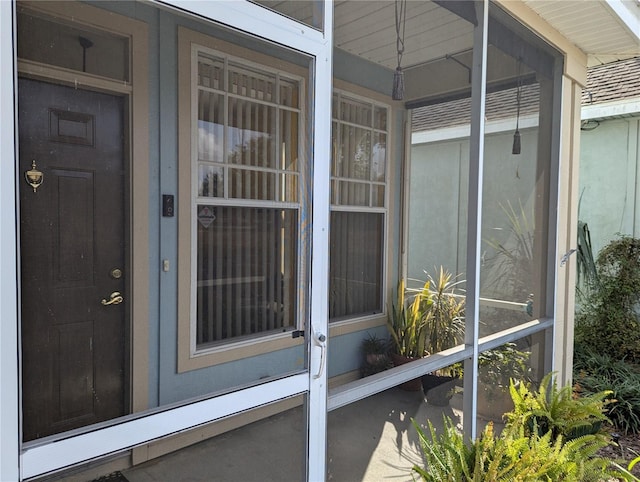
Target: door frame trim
(137,156)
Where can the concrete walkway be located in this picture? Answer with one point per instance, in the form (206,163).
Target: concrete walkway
(371,440)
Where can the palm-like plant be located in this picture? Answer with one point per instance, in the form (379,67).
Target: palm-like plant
(510,273)
(406,322)
(444,320)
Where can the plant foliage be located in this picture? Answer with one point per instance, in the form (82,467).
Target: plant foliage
(511,456)
(511,267)
(406,322)
(557,410)
(609,321)
(498,366)
(444,316)
(523,451)
(429,319)
(587,273)
(596,372)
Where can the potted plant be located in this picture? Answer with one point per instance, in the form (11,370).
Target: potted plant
(496,369)
(375,355)
(444,320)
(444,328)
(406,328)
(374,348)
(430,319)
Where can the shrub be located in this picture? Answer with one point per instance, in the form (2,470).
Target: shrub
(608,321)
(595,372)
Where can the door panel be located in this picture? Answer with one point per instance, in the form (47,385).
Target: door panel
(72,236)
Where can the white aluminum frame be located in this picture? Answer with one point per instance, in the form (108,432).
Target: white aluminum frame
(474,209)
(9,409)
(41,458)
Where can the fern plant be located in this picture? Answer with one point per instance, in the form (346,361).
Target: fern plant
(556,410)
(549,436)
(512,456)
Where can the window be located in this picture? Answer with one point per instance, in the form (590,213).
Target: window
(246,199)
(358,207)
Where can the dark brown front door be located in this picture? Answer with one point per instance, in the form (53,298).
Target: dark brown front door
(72,255)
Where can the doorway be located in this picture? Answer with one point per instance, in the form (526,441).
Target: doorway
(73,257)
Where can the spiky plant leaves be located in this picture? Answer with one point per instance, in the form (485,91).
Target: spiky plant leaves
(406,323)
(596,372)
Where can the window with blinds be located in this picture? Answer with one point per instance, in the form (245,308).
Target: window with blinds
(358,207)
(246,198)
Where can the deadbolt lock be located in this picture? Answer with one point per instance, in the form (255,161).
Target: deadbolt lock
(115,273)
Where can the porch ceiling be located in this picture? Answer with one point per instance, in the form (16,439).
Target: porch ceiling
(606,30)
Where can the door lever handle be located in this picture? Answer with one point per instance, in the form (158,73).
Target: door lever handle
(320,340)
(114,299)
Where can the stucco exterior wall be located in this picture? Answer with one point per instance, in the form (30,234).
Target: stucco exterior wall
(609,184)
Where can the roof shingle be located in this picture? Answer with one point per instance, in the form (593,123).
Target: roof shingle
(605,83)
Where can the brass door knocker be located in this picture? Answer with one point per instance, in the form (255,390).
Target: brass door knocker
(33,176)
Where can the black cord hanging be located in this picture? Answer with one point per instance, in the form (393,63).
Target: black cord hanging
(398,75)
(516,136)
(85,43)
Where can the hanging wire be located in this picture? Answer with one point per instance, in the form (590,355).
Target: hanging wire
(516,136)
(398,75)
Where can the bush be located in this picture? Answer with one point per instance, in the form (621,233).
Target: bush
(608,322)
(595,372)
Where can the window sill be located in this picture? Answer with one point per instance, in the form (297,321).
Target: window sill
(236,351)
(344,327)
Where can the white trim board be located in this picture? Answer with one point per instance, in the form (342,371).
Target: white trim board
(611,109)
(625,107)
(463,131)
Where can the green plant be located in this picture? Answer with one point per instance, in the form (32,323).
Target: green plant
(608,321)
(626,471)
(587,273)
(544,439)
(513,455)
(557,410)
(444,314)
(372,345)
(595,372)
(375,351)
(510,270)
(406,321)
(497,367)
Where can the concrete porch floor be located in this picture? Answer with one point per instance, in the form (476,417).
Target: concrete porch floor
(370,440)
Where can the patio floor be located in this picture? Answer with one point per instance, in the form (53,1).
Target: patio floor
(370,440)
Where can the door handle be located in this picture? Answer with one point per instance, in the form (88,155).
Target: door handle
(115,299)
(320,340)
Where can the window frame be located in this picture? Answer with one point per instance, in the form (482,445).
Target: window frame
(190,356)
(352,323)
